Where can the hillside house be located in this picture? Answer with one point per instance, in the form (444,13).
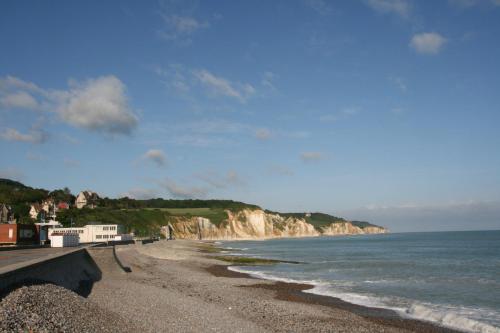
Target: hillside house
(62,206)
(6,214)
(35,210)
(48,205)
(86,199)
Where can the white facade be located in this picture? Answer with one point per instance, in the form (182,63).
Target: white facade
(92,233)
(124,237)
(64,240)
(86,199)
(34,210)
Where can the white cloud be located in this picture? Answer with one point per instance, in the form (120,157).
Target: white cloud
(344,113)
(399,7)
(156,156)
(20,100)
(471,3)
(427,43)
(211,132)
(279,170)
(268,80)
(320,6)
(185,81)
(180,21)
(11,82)
(183,192)
(350,111)
(400,83)
(18,94)
(98,105)
(180,28)
(186,25)
(221,86)
(463,3)
(141,194)
(221,181)
(34,136)
(263,134)
(311,156)
(175,77)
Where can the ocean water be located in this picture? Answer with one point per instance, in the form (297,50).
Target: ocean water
(450,278)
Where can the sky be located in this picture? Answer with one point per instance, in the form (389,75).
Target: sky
(379,110)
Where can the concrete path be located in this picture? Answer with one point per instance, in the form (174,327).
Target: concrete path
(12,257)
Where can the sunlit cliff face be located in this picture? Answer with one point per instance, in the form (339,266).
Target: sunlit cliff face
(256,224)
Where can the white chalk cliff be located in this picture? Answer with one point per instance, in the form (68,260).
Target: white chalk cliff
(257,224)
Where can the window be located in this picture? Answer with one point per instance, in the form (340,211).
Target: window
(98,236)
(105,228)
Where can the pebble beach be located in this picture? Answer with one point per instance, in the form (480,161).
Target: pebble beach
(178,286)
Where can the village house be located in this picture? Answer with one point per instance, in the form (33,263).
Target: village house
(35,209)
(6,214)
(48,205)
(86,199)
(62,206)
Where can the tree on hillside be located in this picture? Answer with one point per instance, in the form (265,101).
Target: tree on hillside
(63,195)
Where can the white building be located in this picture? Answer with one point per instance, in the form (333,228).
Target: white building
(92,233)
(86,199)
(64,239)
(35,209)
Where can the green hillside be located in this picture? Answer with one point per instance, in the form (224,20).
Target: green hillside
(319,220)
(143,217)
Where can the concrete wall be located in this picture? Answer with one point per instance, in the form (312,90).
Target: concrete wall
(76,271)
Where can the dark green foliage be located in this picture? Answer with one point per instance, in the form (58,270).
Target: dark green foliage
(320,220)
(127,203)
(362,224)
(62,195)
(317,220)
(142,222)
(143,217)
(14,193)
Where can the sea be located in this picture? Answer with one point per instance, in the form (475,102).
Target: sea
(449,278)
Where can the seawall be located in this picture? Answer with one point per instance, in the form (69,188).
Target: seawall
(75,270)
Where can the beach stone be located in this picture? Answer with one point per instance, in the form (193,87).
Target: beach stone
(50,308)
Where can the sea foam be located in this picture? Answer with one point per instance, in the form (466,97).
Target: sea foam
(430,313)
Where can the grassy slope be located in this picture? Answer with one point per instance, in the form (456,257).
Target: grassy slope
(142,222)
(320,220)
(144,217)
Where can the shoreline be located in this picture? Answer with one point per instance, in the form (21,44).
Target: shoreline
(294,292)
(178,286)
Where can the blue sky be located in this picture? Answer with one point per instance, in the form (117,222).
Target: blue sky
(386,110)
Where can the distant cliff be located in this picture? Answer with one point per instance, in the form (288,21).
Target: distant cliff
(258,224)
(212,219)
